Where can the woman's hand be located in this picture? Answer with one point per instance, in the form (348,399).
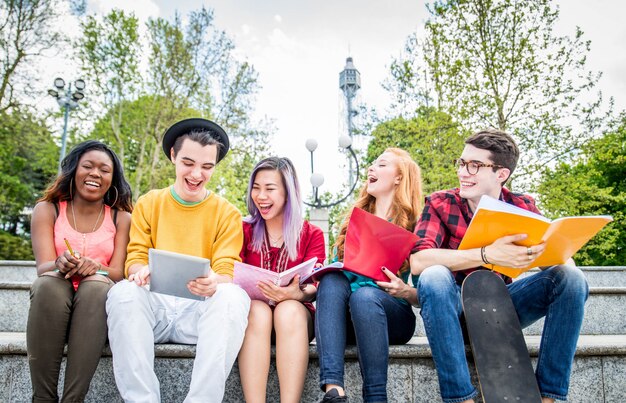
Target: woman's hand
(66,262)
(395,286)
(279,294)
(85,267)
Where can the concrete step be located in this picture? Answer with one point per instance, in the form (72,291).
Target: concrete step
(597,276)
(17,270)
(604,311)
(597,374)
(604,314)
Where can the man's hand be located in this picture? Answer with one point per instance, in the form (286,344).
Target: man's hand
(203,286)
(141,277)
(504,252)
(279,294)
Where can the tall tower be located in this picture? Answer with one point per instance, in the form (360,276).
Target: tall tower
(350,83)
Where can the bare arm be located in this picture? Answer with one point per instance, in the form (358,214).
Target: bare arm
(116,265)
(503,252)
(42,234)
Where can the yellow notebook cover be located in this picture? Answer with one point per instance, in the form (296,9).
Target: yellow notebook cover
(494,219)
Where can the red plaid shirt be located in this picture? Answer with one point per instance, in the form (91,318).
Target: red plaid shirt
(446,216)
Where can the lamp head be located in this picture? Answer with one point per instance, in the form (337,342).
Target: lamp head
(79,84)
(59,83)
(317,180)
(311,145)
(345,141)
(53,93)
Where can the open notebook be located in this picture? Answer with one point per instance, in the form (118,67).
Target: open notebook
(247,276)
(563,236)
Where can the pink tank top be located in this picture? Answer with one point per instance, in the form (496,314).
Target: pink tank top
(96,245)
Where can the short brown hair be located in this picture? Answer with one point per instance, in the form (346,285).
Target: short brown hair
(500,144)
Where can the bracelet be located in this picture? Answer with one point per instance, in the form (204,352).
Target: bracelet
(483,255)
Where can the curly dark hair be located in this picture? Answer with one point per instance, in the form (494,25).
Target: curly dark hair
(60,189)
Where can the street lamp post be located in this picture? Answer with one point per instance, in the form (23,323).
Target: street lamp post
(319,212)
(67,100)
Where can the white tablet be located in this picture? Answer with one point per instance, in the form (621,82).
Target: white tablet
(170,272)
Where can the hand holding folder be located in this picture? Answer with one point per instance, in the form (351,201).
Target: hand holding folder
(247,276)
(371,243)
(563,236)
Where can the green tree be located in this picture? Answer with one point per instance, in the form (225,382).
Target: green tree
(28,161)
(191,72)
(432,138)
(500,64)
(192,68)
(594,184)
(13,247)
(109,55)
(28,29)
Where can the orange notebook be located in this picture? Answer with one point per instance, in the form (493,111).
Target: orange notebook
(563,236)
(371,242)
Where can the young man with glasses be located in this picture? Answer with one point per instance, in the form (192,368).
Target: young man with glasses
(557,292)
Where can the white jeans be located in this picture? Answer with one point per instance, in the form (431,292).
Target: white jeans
(138,318)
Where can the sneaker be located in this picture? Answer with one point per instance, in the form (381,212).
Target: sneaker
(332,396)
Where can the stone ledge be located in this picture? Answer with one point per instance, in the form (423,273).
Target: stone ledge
(14,343)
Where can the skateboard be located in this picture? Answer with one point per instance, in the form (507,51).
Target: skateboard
(505,372)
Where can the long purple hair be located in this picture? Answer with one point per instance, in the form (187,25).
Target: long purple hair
(292,213)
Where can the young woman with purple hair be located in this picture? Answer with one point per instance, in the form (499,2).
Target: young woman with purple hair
(276,238)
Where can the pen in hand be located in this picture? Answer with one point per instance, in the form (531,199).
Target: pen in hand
(69,248)
(77,256)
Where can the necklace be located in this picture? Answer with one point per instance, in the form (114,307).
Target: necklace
(84,234)
(275,241)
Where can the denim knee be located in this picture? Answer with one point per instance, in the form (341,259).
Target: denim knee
(332,281)
(570,280)
(435,281)
(364,302)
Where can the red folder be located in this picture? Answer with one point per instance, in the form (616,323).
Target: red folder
(371,243)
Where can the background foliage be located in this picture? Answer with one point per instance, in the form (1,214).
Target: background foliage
(480,63)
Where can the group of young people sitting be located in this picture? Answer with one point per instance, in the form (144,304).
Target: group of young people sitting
(91,250)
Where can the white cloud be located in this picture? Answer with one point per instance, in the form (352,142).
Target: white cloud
(278,18)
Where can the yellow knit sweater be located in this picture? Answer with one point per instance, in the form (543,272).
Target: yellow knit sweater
(210,229)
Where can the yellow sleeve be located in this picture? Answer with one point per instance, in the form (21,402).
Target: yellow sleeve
(140,233)
(228,242)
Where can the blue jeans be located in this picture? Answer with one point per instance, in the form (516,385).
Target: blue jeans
(558,293)
(369,316)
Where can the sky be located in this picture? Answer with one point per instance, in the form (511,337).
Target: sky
(299,47)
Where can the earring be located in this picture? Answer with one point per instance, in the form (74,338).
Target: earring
(71,188)
(116,195)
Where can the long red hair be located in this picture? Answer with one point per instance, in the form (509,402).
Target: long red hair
(407,199)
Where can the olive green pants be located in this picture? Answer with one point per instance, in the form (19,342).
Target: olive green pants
(57,315)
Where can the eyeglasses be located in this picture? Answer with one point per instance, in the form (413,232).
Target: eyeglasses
(473,166)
